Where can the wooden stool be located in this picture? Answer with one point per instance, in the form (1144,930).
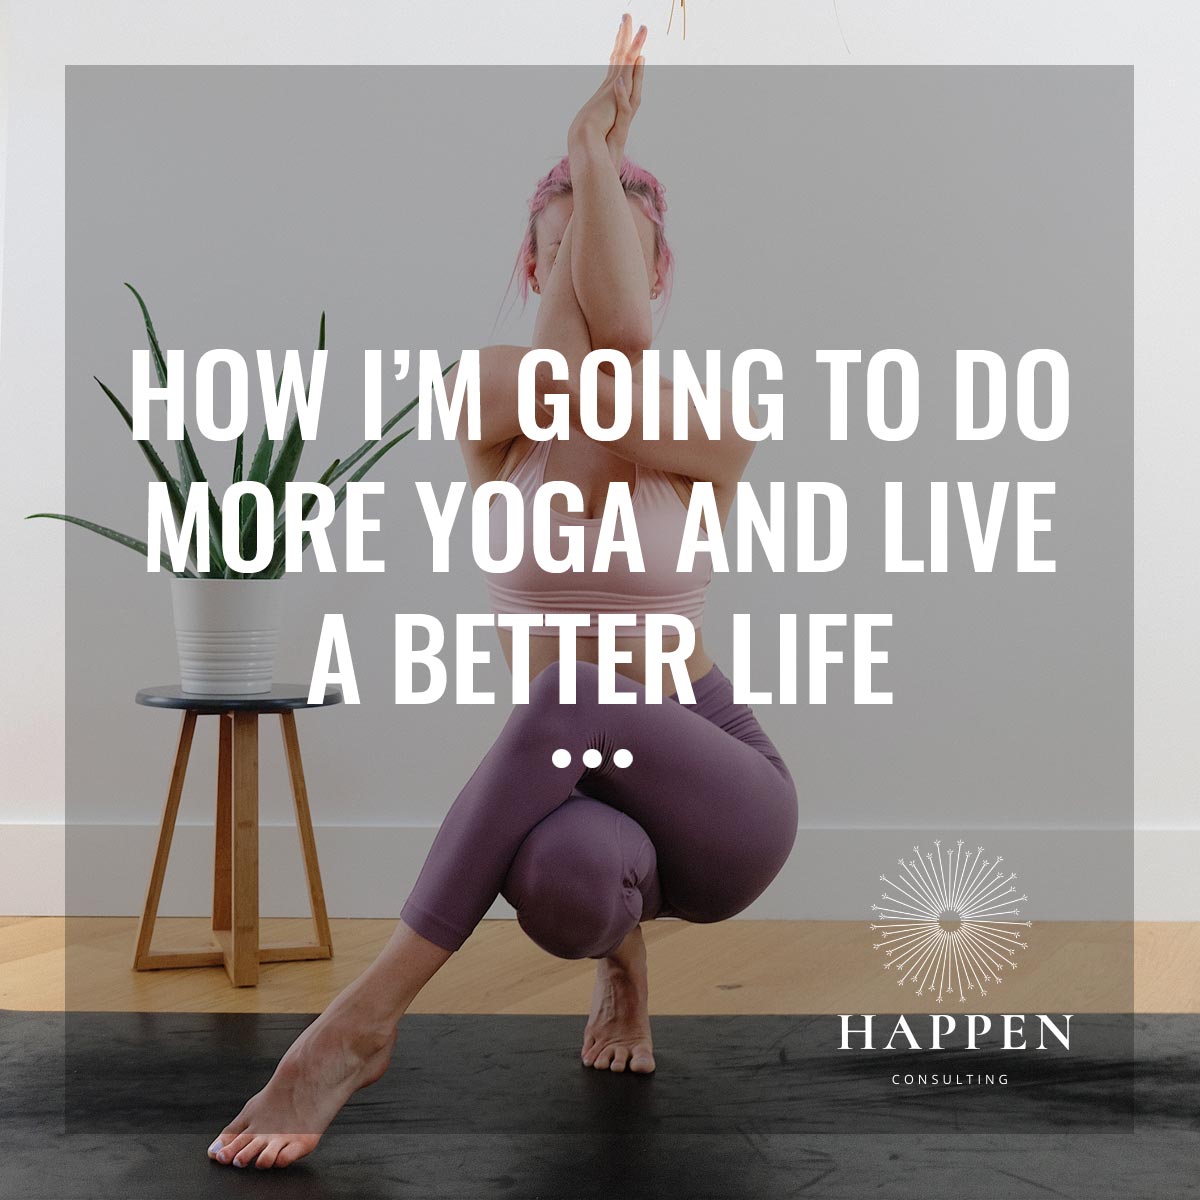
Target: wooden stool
(235,871)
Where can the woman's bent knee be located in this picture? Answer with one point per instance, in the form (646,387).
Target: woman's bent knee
(571,916)
(574,939)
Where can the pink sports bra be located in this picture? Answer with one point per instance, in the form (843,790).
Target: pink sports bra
(659,513)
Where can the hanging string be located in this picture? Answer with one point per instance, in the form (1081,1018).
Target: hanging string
(683,10)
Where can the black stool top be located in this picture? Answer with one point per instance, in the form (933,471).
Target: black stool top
(283,697)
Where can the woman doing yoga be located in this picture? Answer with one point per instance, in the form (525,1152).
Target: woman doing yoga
(661,809)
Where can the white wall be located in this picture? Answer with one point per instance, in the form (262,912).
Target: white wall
(1158,38)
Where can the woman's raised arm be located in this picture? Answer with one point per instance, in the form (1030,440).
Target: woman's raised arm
(608,267)
(560,323)
(719,458)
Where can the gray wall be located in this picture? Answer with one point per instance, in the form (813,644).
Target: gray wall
(1152,35)
(924,209)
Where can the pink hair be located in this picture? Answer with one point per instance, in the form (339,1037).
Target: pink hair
(637,182)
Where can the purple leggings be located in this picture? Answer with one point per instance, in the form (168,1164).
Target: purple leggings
(695,827)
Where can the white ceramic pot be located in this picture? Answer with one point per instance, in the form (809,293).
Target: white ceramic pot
(226,631)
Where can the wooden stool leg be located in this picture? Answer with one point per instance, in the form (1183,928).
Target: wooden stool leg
(308,842)
(223,842)
(241,958)
(166,831)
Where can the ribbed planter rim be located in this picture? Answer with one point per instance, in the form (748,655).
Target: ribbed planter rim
(226,634)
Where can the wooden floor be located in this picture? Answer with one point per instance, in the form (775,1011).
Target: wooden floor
(83,963)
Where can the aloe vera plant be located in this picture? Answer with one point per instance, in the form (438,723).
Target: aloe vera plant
(273,466)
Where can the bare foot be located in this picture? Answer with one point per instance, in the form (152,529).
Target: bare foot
(341,1051)
(618,1031)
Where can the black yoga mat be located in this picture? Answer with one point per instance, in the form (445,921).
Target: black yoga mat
(124,1104)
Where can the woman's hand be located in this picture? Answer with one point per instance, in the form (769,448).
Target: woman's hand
(608,114)
(630,66)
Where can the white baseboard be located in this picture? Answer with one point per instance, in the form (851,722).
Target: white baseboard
(101,870)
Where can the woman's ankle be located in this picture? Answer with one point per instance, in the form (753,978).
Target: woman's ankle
(630,955)
(382,994)
(367,1006)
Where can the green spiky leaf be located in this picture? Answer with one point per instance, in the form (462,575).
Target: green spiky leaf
(190,470)
(160,362)
(122,539)
(352,460)
(178,502)
(332,472)
(278,564)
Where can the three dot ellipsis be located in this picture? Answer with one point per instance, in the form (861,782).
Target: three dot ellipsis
(592,758)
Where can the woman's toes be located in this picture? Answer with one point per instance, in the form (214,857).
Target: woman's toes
(269,1153)
(620,1059)
(289,1153)
(642,1061)
(234,1146)
(251,1151)
(603,1059)
(225,1137)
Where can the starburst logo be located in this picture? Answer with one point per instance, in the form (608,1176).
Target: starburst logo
(952,928)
